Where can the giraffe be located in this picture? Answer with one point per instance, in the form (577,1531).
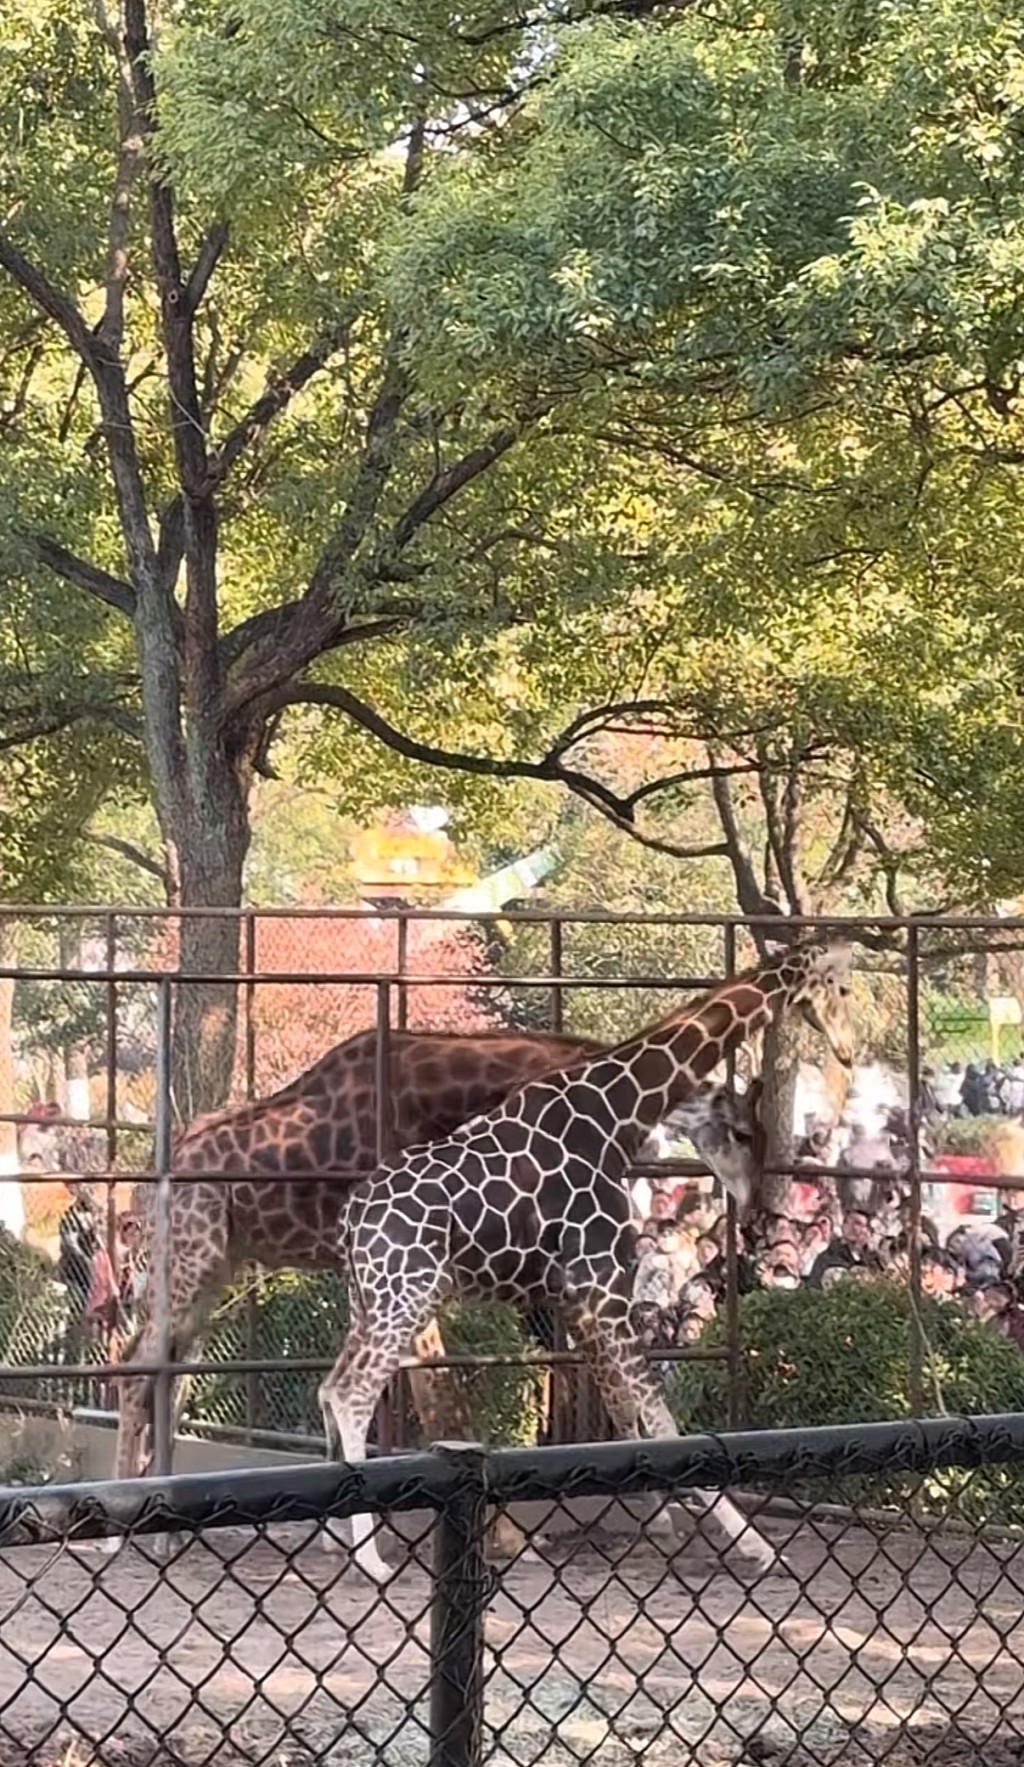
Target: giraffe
(294,1153)
(527,1205)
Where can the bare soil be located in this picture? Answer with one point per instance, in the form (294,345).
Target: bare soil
(872,1647)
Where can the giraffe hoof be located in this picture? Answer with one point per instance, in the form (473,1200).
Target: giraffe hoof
(374,1571)
(759,1561)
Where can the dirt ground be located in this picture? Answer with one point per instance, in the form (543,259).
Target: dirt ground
(872,1648)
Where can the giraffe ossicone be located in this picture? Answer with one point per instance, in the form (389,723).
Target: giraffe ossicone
(527,1204)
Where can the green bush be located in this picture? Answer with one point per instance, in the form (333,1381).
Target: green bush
(33,1310)
(299,1316)
(965,1135)
(504,1403)
(842,1356)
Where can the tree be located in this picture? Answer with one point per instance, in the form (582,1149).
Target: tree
(530,356)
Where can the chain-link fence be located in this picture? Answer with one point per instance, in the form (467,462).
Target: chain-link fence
(938,1005)
(887,1629)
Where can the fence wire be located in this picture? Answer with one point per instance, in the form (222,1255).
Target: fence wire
(890,1629)
(85,1014)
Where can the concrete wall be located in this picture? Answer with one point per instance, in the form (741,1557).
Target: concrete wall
(77,1450)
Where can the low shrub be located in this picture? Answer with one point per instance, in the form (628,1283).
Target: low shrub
(842,1356)
(298,1316)
(965,1135)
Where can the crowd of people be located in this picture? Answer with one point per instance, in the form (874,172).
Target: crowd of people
(979,1089)
(855,1225)
(103,1283)
(681,1272)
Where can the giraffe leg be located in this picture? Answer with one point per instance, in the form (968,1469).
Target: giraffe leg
(196,1283)
(348,1397)
(634,1400)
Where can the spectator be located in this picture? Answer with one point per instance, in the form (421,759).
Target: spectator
(972,1092)
(948,1088)
(813,1241)
(940,1274)
(697,1305)
(1014,1089)
(991,1091)
(779,1266)
(853,1249)
(928,1094)
(662,1209)
(79,1242)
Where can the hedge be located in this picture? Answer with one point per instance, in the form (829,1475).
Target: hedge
(307,1315)
(841,1356)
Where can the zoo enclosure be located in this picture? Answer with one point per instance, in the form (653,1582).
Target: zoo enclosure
(892,1633)
(565,969)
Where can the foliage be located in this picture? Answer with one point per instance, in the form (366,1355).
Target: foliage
(966,1135)
(545,383)
(32,1308)
(298,1316)
(842,1356)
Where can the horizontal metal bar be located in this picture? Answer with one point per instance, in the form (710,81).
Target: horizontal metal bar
(543,916)
(318,978)
(235,1435)
(346,1181)
(13,1371)
(393,1484)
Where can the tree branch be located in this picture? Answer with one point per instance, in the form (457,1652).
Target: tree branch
(887,860)
(112,591)
(749,894)
(279,392)
(132,131)
(446,484)
(210,254)
(202,666)
(550,768)
(62,717)
(135,855)
(50,301)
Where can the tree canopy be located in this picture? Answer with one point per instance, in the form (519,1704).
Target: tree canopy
(483,390)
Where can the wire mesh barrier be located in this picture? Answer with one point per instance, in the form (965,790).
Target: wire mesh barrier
(938,1005)
(889,1628)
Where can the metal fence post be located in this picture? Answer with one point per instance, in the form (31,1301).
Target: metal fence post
(403,970)
(917,1347)
(557,969)
(160,1271)
(461,1588)
(250,1006)
(110,1397)
(252,1380)
(390,1403)
(736,1397)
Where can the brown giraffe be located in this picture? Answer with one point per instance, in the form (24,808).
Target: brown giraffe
(296,1153)
(527,1205)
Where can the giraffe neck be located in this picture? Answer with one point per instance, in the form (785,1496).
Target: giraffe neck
(663,1069)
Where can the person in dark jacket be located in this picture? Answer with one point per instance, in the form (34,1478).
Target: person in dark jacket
(853,1250)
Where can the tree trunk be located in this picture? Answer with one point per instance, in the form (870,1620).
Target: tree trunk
(781,1068)
(12,1208)
(207,835)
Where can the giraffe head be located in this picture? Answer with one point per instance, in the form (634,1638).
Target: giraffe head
(819,984)
(725,1128)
